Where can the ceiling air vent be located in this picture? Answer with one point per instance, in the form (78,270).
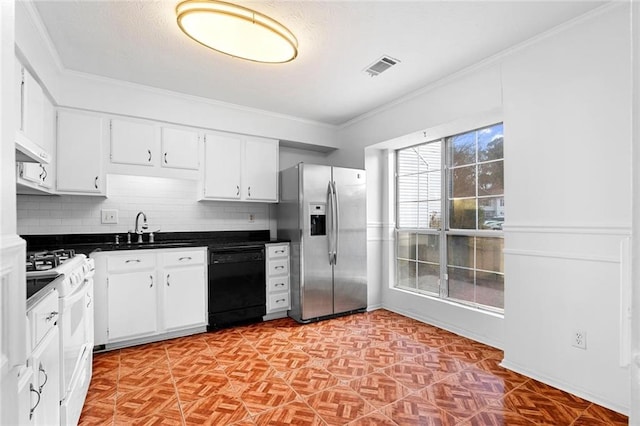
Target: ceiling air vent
(380,66)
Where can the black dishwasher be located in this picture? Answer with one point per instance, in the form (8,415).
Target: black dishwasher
(237,292)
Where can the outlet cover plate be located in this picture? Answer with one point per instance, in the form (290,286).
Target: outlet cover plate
(579,339)
(109,216)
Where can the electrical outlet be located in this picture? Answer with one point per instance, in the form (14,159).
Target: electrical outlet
(109,216)
(252,217)
(579,339)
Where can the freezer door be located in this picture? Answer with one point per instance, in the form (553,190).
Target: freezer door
(350,270)
(316,290)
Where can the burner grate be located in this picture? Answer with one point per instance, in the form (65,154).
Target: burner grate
(45,260)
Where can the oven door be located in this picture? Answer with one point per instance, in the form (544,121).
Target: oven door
(74,333)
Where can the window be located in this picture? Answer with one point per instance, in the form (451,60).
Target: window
(449,219)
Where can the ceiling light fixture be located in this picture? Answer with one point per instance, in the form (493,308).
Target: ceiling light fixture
(236,31)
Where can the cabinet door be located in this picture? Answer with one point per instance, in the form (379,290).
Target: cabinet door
(46,370)
(19,413)
(32,105)
(261,169)
(132,306)
(184,297)
(179,149)
(79,159)
(223,160)
(48,141)
(133,143)
(32,172)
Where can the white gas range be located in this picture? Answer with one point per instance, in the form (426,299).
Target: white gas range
(72,275)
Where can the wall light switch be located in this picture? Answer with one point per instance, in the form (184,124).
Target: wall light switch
(109,216)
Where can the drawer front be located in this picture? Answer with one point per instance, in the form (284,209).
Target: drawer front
(278,267)
(278,302)
(43,317)
(131,262)
(278,284)
(179,258)
(281,250)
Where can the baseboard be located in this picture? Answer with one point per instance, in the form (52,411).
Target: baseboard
(582,393)
(448,327)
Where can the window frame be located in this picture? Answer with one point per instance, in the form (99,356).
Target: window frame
(444,230)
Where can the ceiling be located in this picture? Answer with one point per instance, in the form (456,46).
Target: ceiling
(138,41)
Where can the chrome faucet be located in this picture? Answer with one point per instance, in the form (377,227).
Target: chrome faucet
(140,228)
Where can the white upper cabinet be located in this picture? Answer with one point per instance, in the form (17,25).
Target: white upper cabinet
(133,143)
(241,168)
(79,160)
(179,149)
(162,151)
(29,101)
(261,169)
(32,105)
(223,162)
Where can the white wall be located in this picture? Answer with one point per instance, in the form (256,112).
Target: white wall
(289,157)
(170,205)
(634,415)
(568,180)
(565,100)
(7,124)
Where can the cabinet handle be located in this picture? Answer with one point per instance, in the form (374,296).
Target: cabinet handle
(95,182)
(51,316)
(237,190)
(32,409)
(184,258)
(165,158)
(89,302)
(151,278)
(132,260)
(279,285)
(279,267)
(44,171)
(280,300)
(280,251)
(46,377)
(249,191)
(149,151)
(168,283)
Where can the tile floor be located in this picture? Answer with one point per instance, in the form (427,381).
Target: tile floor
(377,368)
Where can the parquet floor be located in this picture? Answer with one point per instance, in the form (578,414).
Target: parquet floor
(377,368)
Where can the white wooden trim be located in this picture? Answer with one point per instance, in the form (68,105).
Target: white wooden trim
(580,229)
(561,255)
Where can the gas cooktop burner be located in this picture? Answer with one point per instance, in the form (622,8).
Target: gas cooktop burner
(45,260)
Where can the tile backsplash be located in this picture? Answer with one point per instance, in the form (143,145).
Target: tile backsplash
(170,205)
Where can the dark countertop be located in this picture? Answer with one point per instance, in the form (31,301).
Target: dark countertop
(88,243)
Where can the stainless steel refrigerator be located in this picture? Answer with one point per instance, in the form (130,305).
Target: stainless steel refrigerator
(322,212)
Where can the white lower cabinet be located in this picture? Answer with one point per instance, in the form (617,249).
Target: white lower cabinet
(184,293)
(44,363)
(132,305)
(277,273)
(46,370)
(148,295)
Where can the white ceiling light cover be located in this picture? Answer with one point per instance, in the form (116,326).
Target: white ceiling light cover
(236,31)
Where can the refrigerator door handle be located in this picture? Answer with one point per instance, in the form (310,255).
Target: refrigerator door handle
(335,222)
(330,220)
